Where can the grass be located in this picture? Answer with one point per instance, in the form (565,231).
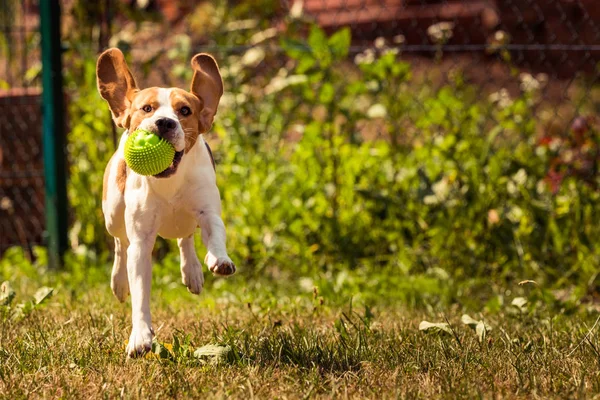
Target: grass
(273,341)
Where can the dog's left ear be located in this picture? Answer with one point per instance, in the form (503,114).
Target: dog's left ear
(207,85)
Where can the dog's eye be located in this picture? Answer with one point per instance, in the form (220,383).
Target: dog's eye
(185,111)
(147,108)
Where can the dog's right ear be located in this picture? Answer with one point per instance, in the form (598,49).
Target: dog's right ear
(116,84)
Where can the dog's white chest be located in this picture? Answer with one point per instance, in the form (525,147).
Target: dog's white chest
(177,223)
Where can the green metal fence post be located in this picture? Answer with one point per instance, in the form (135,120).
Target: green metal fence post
(53,112)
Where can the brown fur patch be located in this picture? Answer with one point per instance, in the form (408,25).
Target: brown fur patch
(189,123)
(121,175)
(116,84)
(105,180)
(207,85)
(142,98)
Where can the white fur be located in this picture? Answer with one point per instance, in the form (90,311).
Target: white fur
(172,207)
(165,110)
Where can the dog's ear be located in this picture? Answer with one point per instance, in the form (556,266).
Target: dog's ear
(207,85)
(116,84)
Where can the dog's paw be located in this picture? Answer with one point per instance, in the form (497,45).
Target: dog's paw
(192,276)
(120,285)
(222,266)
(140,341)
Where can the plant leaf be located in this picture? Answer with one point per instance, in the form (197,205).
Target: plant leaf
(317,40)
(472,322)
(176,345)
(43,294)
(295,49)
(427,326)
(481,329)
(7,294)
(161,351)
(467,320)
(304,64)
(327,93)
(520,303)
(212,352)
(339,43)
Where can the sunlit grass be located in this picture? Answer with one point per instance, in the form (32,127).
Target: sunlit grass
(260,339)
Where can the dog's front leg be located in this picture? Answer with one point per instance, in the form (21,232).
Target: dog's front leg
(213,236)
(142,228)
(191,269)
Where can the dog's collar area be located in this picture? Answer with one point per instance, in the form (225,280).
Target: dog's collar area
(173,167)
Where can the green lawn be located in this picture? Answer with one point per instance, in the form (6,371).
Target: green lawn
(279,338)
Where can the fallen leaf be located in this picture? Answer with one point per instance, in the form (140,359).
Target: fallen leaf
(43,294)
(520,303)
(481,328)
(211,352)
(481,331)
(472,322)
(7,294)
(426,326)
(467,320)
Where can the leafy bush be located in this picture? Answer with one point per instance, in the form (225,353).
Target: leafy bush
(463,191)
(324,165)
(89,148)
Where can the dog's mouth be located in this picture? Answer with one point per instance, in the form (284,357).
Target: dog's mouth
(172,168)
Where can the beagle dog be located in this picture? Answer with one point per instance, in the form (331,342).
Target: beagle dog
(171,204)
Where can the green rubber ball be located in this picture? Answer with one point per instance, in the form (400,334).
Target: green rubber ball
(148,154)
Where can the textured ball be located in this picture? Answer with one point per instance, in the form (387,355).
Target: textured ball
(147,153)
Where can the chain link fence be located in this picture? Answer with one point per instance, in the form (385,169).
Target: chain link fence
(21,165)
(501,46)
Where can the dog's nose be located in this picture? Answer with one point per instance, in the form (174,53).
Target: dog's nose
(165,124)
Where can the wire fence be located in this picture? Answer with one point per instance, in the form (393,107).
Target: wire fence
(492,41)
(21,164)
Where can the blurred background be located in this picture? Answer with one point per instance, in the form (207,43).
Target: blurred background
(433,149)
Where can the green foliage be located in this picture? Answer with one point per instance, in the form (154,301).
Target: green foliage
(324,166)
(21,310)
(90,146)
(453,183)
(342,184)
(280,343)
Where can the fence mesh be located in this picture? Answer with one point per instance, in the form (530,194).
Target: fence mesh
(503,47)
(21,169)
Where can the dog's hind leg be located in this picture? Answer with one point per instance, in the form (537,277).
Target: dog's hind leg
(191,269)
(119,282)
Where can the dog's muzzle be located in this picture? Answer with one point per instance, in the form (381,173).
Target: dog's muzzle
(167,129)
